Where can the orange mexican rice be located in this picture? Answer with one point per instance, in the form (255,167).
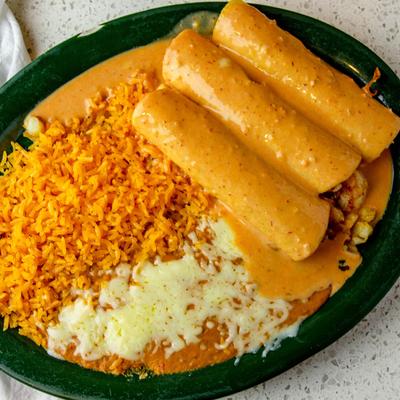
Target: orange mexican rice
(83,199)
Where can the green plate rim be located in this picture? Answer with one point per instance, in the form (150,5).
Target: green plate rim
(24,361)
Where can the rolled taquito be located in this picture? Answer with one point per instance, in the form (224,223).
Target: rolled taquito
(292,219)
(284,138)
(326,96)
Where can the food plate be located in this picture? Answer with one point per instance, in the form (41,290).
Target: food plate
(23,360)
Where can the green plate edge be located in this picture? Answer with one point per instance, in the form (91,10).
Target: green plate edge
(24,361)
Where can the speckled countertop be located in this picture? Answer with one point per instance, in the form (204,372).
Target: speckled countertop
(365,363)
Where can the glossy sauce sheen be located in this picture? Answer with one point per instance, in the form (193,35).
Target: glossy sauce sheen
(290,218)
(71,100)
(285,139)
(277,275)
(326,96)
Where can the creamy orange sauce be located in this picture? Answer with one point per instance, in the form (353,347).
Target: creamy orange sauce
(305,154)
(290,218)
(380,179)
(71,100)
(280,277)
(320,92)
(307,283)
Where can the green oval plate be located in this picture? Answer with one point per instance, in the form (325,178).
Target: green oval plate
(23,360)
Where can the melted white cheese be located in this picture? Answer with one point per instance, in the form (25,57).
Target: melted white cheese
(168,303)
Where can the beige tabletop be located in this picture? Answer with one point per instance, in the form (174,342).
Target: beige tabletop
(365,363)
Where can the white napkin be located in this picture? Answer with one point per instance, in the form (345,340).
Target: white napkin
(10,389)
(13,57)
(13,54)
